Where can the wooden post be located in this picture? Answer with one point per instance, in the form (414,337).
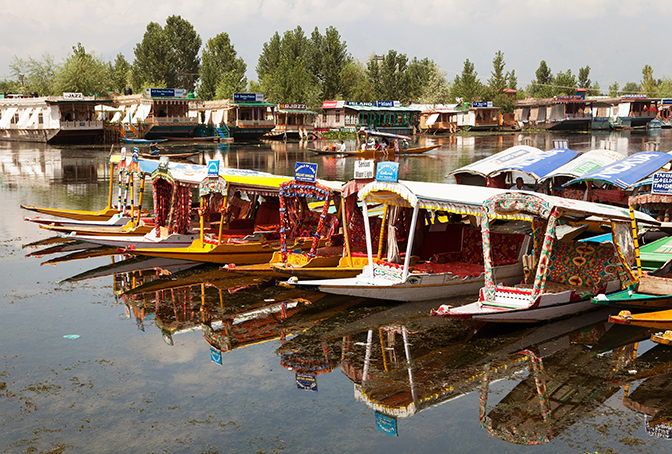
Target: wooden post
(346,232)
(633,223)
(382,233)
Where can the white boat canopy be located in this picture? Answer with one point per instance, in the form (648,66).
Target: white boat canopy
(455,198)
(493,163)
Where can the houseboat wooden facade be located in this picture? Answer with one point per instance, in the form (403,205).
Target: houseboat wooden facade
(383,116)
(480,116)
(245,117)
(438,118)
(157,113)
(293,121)
(69,118)
(559,113)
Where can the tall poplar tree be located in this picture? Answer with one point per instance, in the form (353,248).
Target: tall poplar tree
(221,69)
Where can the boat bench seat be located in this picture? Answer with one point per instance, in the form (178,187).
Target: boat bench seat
(505,247)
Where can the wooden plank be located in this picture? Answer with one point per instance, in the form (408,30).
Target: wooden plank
(652,286)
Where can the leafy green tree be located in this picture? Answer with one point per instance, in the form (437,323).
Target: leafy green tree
(222,71)
(512,80)
(613,90)
(390,78)
(328,55)
(565,83)
(168,55)
(631,88)
(83,73)
(542,87)
(284,69)
(583,79)
(649,84)
(10,86)
(355,83)
(498,79)
(595,89)
(466,86)
(34,75)
(665,88)
(432,86)
(121,73)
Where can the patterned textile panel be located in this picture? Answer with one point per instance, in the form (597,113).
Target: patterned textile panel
(505,248)
(568,193)
(586,265)
(358,233)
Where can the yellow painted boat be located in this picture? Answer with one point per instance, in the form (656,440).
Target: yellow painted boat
(662,338)
(313,268)
(655,320)
(117,230)
(76,215)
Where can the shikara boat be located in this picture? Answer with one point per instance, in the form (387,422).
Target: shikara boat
(664,338)
(251,240)
(445,260)
(657,320)
(568,274)
(614,182)
(477,173)
(653,290)
(374,143)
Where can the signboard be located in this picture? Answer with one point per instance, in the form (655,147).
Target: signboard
(305,171)
(166,92)
(359,104)
(136,154)
(216,356)
(306,382)
(667,101)
(569,98)
(294,106)
(633,97)
(386,424)
(73,96)
(387,171)
(248,97)
(213,168)
(333,104)
(364,169)
(662,183)
(163,162)
(481,104)
(388,104)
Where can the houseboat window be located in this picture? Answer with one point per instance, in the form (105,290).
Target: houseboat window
(338,117)
(15,118)
(40,118)
(324,117)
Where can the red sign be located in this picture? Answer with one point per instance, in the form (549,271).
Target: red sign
(292,106)
(333,104)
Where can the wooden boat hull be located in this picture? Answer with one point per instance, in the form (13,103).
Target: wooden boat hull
(632,299)
(132,242)
(227,253)
(77,215)
(123,230)
(371,153)
(662,338)
(656,320)
(417,287)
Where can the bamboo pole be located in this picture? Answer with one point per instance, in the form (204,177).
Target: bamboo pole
(633,223)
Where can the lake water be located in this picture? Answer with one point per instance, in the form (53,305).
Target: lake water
(86,367)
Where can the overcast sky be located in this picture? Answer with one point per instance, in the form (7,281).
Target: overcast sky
(616,38)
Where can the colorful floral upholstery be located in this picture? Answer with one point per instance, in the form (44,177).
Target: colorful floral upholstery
(585,265)
(505,248)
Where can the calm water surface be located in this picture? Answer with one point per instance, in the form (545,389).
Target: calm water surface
(142,375)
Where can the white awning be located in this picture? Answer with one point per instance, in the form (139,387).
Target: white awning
(207,117)
(7,116)
(217,116)
(116,117)
(24,117)
(34,117)
(432,119)
(129,114)
(142,112)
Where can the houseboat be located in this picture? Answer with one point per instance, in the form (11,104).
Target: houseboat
(158,113)
(480,116)
(293,121)
(383,116)
(634,111)
(69,118)
(438,118)
(571,112)
(246,117)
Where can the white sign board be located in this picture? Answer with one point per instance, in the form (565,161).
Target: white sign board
(73,96)
(364,169)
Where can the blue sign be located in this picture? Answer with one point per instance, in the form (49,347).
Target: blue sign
(216,356)
(387,171)
(306,382)
(359,103)
(662,183)
(667,101)
(213,168)
(248,97)
(627,171)
(136,154)
(386,424)
(166,92)
(305,171)
(479,104)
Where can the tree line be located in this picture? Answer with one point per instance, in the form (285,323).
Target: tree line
(294,67)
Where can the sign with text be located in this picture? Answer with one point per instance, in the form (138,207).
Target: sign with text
(481,104)
(333,104)
(73,96)
(213,168)
(294,106)
(306,382)
(305,171)
(386,424)
(365,169)
(662,183)
(359,104)
(388,104)
(166,92)
(387,171)
(248,97)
